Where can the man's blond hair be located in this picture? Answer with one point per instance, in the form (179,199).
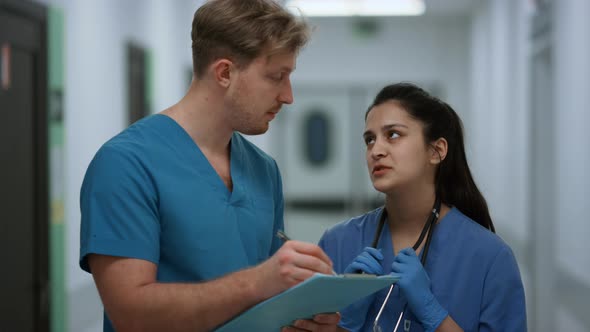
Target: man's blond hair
(242,30)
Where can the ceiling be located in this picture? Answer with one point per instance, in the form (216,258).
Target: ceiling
(445,7)
(450,7)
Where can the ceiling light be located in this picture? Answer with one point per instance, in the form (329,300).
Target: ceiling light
(356,7)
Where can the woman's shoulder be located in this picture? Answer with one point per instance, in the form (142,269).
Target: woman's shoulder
(476,248)
(358,222)
(462,228)
(350,229)
(346,239)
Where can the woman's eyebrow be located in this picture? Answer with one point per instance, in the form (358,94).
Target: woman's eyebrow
(385,128)
(393,125)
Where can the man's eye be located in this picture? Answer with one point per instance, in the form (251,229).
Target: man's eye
(277,78)
(369,140)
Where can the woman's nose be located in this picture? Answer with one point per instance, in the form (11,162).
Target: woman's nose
(378,150)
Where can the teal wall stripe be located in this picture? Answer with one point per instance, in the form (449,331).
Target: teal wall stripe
(57,231)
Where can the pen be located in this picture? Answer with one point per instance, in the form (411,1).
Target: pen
(281,235)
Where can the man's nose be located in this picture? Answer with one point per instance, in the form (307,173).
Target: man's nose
(286,95)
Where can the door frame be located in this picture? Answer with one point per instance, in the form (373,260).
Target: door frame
(37,14)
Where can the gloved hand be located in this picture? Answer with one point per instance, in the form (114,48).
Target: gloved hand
(369,261)
(414,285)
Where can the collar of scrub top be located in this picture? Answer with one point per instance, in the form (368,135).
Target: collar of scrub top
(429,225)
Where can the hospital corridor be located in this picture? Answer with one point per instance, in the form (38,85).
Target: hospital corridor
(75,73)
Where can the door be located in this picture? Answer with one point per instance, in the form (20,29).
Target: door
(23,170)
(137,83)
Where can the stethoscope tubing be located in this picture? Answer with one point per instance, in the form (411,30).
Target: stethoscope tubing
(430,223)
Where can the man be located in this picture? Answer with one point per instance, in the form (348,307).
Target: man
(179,211)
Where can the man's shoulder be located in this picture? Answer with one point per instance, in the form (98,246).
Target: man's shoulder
(142,129)
(140,137)
(133,148)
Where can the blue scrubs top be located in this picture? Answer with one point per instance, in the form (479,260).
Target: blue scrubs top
(473,274)
(151,194)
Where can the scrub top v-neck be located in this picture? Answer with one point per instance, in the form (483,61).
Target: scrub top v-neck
(167,204)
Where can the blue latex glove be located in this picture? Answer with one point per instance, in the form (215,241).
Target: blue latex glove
(414,285)
(369,261)
(355,315)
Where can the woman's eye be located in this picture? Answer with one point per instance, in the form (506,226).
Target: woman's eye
(393,134)
(369,140)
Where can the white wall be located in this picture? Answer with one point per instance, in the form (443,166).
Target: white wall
(548,240)
(498,119)
(420,49)
(498,124)
(95,101)
(572,100)
(572,79)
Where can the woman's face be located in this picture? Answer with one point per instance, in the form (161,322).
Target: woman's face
(397,154)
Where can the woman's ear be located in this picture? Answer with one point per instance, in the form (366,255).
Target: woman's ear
(440,147)
(222,70)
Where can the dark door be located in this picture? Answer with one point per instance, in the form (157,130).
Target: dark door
(23,170)
(137,82)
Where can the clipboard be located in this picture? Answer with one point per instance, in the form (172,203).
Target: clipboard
(319,294)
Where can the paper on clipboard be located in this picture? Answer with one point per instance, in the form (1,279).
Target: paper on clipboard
(319,294)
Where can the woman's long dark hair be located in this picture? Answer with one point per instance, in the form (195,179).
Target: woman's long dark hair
(454,183)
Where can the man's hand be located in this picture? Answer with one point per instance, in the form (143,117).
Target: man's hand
(293,263)
(319,323)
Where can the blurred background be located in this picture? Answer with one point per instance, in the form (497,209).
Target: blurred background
(75,73)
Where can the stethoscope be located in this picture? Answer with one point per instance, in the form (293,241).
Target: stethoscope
(429,225)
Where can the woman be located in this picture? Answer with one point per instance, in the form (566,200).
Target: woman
(468,279)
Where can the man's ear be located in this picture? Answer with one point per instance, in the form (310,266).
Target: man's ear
(222,71)
(439,148)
